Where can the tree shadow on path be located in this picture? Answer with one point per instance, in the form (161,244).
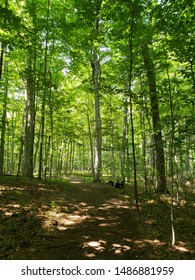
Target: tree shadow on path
(84,221)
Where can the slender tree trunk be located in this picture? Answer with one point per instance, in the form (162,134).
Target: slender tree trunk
(70,157)
(44,95)
(21,147)
(29,121)
(51,157)
(143,134)
(36,148)
(3,119)
(134,155)
(172,156)
(158,141)
(1,60)
(192,73)
(2,142)
(112,166)
(124,140)
(2,46)
(98,130)
(50,164)
(13,128)
(91,145)
(29,129)
(131,114)
(144,118)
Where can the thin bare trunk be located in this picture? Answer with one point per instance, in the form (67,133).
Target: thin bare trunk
(29,120)
(1,61)
(3,119)
(44,96)
(124,140)
(131,114)
(91,145)
(98,130)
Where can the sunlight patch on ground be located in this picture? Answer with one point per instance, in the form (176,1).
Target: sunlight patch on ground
(97,245)
(76,181)
(83,204)
(155,242)
(110,222)
(43,189)
(139,243)
(144,242)
(182,247)
(12,209)
(61,221)
(149,221)
(104,225)
(114,203)
(100,218)
(90,255)
(8,188)
(14,205)
(119,249)
(128,239)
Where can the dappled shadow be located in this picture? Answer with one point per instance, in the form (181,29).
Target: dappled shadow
(81,221)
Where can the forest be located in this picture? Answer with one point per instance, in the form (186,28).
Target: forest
(97,129)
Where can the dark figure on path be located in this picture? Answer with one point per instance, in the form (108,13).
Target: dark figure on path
(118,184)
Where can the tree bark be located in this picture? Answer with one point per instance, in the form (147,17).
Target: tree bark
(1,60)
(3,119)
(29,121)
(98,130)
(124,142)
(131,117)
(91,145)
(158,141)
(44,94)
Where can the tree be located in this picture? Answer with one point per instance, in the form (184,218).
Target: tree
(29,120)
(3,119)
(160,161)
(45,90)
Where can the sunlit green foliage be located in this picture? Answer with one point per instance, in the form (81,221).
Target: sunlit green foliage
(168,28)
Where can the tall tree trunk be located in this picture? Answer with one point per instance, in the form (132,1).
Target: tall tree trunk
(21,148)
(158,141)
(131,114)
(44,95)
(29,128)
(1,60)
(3,119)
(2,142)
(124,140)
(112,161)
(98,129)
(29,121)
(2,45)
(144,117)
(143,135)
(171,154)
(192,72)
(91,145)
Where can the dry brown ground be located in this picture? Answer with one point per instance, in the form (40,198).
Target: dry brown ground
(80,220)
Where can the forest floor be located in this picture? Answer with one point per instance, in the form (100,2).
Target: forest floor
(75,220)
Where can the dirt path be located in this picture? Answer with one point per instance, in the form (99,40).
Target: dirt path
(82,221)
(96,224)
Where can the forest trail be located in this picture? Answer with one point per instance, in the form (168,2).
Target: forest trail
(96,224)
(82,220)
